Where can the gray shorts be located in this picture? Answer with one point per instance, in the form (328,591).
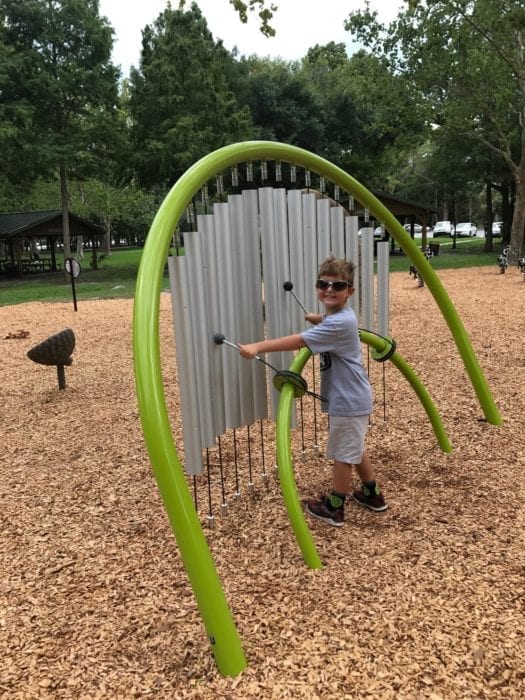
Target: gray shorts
(346,439)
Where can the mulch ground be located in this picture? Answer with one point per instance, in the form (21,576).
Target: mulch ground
(423,601)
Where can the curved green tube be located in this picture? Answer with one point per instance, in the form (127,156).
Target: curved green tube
(148,376)
(283,445)
(381,344)
(285,467)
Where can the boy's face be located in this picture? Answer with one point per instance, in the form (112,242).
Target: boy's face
(333,292)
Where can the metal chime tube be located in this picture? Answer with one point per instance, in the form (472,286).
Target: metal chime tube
(199,327)
(275,268)
(282,264)
(383,288)
(254,310)
(184,354)
(367,279)
(242,284)
(352,253)
(337,231)
(212,280)
(249,313)
(323,230)
(295,228)
(309,247)
(230,296)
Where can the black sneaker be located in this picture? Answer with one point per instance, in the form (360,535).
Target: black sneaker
(318,508)
(372,501)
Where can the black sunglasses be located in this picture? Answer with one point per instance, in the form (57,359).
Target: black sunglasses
(337,285)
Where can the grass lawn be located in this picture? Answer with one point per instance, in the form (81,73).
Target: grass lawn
(467,253)
(117,274)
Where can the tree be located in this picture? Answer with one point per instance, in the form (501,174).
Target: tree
(265,13)
(180,99)
(58,91)
(282,104)
(467,61)
(370,118)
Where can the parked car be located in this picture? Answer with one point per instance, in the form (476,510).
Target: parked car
(443,228)
(497,228)
(379,232)
(418,229)
(466,228)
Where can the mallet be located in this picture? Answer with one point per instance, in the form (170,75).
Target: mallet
(282,376)
(288,287)
(220,339)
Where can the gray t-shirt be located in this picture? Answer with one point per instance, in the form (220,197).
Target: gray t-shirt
(344,381)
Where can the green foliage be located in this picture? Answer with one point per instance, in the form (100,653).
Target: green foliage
(57,84)
(371,121)
(58,92)
(465,59)
(282,104)
(180,99)
(265,13)
(429,111)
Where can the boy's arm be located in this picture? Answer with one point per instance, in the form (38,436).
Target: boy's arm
(287,342)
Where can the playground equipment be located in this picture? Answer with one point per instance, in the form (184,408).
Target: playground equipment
(282,376)
(503,260)
(223,369)
(521,267)
(413,271)
(55,350)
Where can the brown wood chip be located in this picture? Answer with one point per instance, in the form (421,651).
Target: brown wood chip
(423,601)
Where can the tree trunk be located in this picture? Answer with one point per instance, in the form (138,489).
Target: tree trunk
(518,220)
(65,212)
(107,235)
(507,208)
(489,216)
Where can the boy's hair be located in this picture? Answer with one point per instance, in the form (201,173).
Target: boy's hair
(338,267)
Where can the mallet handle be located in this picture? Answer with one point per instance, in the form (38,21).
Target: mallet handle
(303,307)
(256,357)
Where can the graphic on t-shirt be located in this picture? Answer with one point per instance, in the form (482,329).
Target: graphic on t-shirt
(325,361)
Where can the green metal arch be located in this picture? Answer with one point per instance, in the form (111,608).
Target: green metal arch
(148,376)
(283,448)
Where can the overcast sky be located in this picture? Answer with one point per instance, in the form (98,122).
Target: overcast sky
(300,24)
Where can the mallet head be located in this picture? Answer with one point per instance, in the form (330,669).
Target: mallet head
(288,286)
(219,338)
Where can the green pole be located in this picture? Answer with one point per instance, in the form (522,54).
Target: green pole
(383,344)
(220,628)
(283,448)
(285,468)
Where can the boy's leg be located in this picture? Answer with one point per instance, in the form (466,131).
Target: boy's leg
(341,476)
(369,496)
(364,468)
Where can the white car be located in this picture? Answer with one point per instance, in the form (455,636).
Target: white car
(418,229)
(466,229)
(443,228)
(379,232)
(497,228)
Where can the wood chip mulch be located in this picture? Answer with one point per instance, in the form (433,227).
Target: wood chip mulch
(423,601)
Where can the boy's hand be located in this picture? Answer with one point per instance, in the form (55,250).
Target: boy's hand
(248,351)
(314,319)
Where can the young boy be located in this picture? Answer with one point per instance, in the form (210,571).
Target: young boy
(345,385)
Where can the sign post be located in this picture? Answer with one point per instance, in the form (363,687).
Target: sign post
(73,268)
